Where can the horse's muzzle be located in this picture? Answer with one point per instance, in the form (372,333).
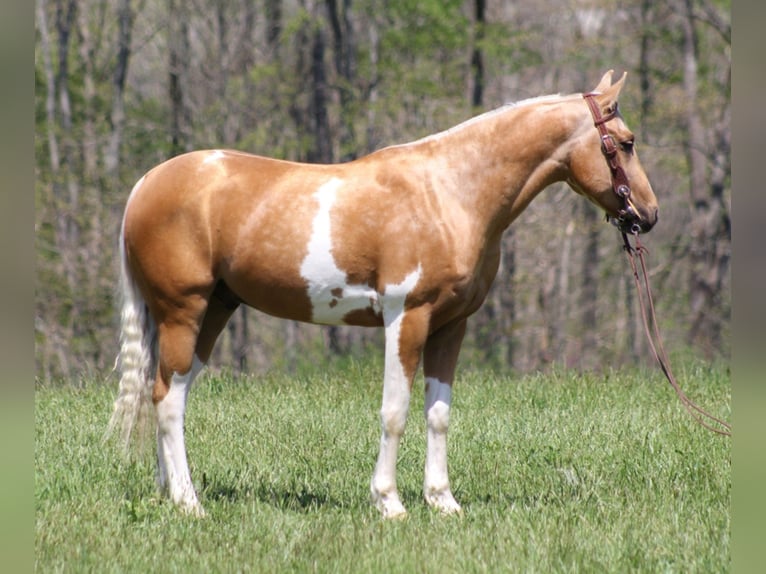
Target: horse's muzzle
(632,223)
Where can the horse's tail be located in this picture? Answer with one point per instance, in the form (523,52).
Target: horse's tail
(136,361)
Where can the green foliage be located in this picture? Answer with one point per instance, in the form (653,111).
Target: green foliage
(556,473)
(420,29)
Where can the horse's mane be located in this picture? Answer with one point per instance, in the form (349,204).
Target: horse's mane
(553,98)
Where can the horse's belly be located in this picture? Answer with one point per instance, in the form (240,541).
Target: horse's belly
(343,304)
(315,299)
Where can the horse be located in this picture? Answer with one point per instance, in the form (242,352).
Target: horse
(406,238)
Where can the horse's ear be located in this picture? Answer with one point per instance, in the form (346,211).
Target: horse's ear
(605,82)
(614,89)
(609,94)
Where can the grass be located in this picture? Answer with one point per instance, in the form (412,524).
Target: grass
(559,472)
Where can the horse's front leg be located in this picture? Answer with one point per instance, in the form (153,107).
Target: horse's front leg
(405,335)
(439,361)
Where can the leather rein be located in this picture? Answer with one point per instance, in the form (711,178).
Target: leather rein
(621,188)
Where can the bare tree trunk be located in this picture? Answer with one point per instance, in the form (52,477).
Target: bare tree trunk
(273,25)
(66,185)
(589,288)
(321,150)
(643,65)
(65,20)
(125,26)
(710,228)
(509,298)
(51,346)
(563,300)
(371,142)
(50,81)
(89,143)
(344,51)
(179,53)
(477,56)
(247,54)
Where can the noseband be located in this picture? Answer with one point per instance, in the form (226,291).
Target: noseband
(620,183)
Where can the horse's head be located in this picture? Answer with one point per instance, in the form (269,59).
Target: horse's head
(604,165)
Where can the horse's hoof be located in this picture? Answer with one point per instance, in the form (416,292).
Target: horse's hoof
(444,502)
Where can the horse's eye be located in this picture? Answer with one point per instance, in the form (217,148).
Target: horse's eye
(627,146)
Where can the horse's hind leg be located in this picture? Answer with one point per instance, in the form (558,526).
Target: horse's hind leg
(178,366)
(177,344)
(173,470)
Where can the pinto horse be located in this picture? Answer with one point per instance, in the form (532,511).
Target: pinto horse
(406,238)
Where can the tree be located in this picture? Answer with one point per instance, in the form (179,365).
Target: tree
(179,59)
(708,156)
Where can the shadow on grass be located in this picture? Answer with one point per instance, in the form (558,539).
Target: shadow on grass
(296,498)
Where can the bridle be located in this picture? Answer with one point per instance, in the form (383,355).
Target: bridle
(626,215)
(620,184)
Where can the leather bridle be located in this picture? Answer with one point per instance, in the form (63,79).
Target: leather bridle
(627,221)
(627,217)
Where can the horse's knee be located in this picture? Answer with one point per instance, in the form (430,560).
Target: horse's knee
(438,417)
(393,419)
(437,405)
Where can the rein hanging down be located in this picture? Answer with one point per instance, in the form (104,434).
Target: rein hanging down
(703,417)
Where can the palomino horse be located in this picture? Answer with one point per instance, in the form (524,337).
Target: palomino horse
(406,238)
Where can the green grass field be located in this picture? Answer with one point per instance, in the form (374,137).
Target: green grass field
(559,472)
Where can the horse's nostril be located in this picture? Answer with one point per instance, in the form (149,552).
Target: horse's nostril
(650,222)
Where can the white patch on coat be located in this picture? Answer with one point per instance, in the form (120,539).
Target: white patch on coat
(396,386)
(332,298)
(396,399)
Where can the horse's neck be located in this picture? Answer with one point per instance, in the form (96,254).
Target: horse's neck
(497,163)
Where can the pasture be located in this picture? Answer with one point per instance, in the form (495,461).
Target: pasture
(556,472)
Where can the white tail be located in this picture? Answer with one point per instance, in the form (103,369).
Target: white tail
(136,361)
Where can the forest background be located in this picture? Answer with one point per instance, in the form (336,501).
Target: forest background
(122,85)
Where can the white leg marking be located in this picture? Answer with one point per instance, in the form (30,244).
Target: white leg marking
(396,401)
(331,297)
(436,485)
(173,470)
